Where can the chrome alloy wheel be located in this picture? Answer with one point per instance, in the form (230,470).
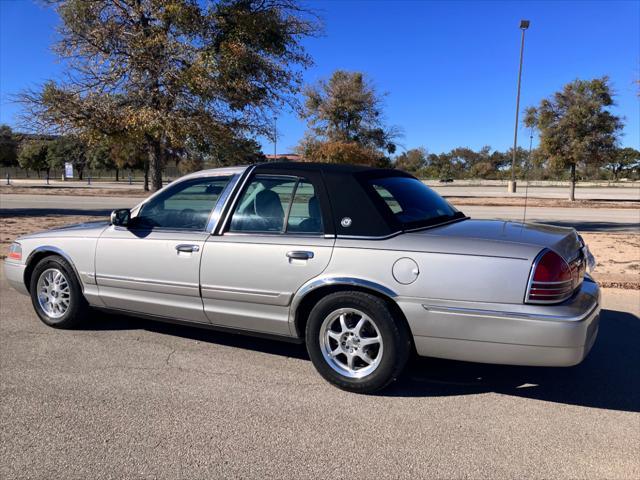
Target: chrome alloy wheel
(54,294)
(351,343)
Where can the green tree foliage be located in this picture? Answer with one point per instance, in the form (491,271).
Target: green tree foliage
(576,129)
(116,153)
(8,147)
(412,161)
(345,121)
(165,72)
(32,155)
(67,149)
(99,157)
(624,160)
(234,151)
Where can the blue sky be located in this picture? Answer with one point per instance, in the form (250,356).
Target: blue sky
(449,68)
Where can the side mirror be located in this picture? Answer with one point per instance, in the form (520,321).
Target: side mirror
(121,217)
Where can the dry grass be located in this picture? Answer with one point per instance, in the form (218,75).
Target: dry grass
(617,254)
(14,226)
(93,191)
(617,258)
(540,202)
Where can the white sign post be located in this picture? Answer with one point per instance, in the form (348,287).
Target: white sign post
(68,170)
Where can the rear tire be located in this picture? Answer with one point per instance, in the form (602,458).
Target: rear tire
(56,293)
(355,342)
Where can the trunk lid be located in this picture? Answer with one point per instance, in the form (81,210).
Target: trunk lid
(564,241)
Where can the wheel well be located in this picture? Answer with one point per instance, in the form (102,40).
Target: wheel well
(33,261)
(313,297)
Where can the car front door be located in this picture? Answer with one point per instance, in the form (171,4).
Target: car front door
(273,241)
(152,266)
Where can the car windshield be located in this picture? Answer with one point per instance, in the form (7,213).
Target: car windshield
(412,203)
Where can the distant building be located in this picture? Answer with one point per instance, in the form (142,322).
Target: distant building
(285,157)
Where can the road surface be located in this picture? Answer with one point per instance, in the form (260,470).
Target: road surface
(582,193)
(584,219)
(127,398)
(461,188)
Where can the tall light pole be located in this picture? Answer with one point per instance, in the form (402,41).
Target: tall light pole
(275,138)
(524,24)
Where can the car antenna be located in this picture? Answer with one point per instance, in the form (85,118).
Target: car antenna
(526,178)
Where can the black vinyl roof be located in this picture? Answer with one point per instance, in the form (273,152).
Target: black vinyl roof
(346,195)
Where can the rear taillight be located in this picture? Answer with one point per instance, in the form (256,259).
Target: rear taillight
(552,279)
(15,252)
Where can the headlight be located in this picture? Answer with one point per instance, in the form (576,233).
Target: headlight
(15,252)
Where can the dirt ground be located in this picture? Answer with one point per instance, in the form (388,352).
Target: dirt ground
(617,258)
(14,226)
(76,191)
(617,254)
(540,202)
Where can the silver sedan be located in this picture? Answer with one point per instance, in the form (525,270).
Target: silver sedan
(364,265)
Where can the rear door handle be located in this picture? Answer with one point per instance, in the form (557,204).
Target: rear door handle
(183,247)
(299,255)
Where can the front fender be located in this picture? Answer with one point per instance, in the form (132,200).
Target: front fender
(42,251)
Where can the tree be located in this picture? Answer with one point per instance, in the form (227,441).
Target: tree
(624,159)
(99,158)
(342,152)
(8,147)
(116,153)
(439,166)
(228,150)
(33,155)
(164,72)
(345,118)
(412,161)
(576,129)
(67,149)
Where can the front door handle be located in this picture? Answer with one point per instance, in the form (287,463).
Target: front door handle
(299,255)
(183,247)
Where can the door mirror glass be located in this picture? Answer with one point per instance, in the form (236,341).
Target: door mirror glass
(120,217)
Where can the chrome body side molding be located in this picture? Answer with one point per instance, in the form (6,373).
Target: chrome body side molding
(267,297)
(506,314)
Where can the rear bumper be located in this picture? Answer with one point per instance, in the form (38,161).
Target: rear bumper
(550,335)
(15,276)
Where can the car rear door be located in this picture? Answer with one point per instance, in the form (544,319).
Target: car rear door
(276,237)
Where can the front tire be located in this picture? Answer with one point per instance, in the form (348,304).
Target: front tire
(56,294)
(355,342)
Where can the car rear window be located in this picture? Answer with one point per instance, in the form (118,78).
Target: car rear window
(411,202)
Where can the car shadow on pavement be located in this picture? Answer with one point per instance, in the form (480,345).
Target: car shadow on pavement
(109,321)
(608,378)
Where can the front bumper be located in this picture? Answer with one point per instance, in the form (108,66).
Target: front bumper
(14,272)
(550,335)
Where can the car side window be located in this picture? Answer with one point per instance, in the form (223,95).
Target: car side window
(186,206)
(277,205)
(305,215)
(389,199)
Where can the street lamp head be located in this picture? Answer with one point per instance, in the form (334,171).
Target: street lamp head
(524,24)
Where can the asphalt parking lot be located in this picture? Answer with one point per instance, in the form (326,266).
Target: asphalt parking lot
(128,398)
